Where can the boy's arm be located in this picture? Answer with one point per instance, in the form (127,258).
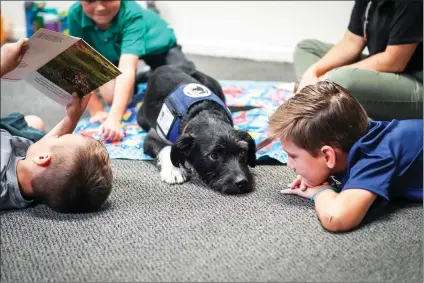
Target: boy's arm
(124,87)
(338,212)
(73,114)
(343,211)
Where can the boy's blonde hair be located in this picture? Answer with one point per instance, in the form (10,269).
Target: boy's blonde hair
(320,114)
(78,181)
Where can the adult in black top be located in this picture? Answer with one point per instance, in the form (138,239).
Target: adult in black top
(388,81)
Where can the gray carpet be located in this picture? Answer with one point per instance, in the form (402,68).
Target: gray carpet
(149,231)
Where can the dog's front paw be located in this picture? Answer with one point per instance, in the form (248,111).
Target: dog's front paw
(168,172)
(173,175)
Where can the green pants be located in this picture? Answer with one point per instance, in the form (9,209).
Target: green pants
(385,96)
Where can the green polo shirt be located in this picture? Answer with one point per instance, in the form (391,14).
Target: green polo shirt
(134,30)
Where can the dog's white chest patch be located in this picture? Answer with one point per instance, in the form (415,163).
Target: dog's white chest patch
(165,119)
(196,90)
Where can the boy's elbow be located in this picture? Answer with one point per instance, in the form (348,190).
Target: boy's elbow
(337,221)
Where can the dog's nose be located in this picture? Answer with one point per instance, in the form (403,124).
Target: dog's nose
(241,183)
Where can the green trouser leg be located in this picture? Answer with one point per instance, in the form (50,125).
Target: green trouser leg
(384,96)
(307,53)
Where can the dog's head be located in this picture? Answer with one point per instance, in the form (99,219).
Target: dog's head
(220,156)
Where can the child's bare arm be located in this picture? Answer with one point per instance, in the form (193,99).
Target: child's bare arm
(343,211)
(337,212)
(124,87)
(73,114)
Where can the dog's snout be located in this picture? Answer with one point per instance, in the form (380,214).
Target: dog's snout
(241,182)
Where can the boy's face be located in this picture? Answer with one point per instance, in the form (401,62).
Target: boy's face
(314,170)
(101,12)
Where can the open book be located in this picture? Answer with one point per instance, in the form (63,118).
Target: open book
(58,65)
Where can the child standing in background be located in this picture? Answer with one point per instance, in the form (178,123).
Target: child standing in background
(123,32)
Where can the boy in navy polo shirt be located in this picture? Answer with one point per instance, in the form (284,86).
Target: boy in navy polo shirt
(123,32)
(326,132)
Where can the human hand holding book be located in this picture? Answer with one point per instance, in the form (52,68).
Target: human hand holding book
(58,65)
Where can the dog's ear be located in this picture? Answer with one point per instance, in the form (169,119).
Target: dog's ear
(181,149)
(251,150)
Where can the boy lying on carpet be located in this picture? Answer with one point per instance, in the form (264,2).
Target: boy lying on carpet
(67,172)
(123,32)
(326,132)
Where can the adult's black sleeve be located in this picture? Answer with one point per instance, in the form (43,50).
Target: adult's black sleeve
(407,22)
(358,11)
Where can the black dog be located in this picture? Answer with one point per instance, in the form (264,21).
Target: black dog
(200,135)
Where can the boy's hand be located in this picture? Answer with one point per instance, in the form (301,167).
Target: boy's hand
(298,183)
(307,193)
(75,109)
(111,129)
(300,187)
(12,54)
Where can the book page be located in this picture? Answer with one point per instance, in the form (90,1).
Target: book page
(79,69)
(44,45)
(48,88)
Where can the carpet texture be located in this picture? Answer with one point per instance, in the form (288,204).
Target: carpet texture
(149,231)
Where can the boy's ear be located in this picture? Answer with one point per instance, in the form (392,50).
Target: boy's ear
(181,149)
(42,159)
(329,155)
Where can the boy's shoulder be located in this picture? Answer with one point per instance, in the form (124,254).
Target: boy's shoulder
(12,145)
(129,10)
(401,139)
(13,149)
(396,131)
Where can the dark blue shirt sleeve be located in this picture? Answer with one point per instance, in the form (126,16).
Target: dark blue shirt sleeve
(373,172)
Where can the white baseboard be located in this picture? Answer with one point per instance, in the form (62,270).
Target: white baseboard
(237,50)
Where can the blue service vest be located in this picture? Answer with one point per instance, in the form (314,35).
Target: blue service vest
(177,104)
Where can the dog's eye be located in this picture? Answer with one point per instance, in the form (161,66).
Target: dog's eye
(213,156)
(242,154)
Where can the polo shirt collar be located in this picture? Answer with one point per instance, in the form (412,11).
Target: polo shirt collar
(86,21)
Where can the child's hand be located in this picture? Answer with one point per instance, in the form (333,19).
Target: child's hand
(307,193)
(75,109)
(12,54)
(298,183)
(99,117)
(111,129)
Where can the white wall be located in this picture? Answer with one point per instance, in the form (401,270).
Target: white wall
(260,30)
